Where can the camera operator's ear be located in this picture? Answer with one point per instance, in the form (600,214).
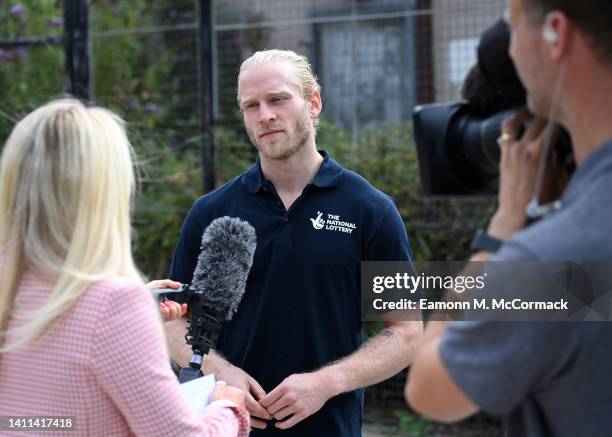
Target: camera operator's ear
(556,31)
(549,34)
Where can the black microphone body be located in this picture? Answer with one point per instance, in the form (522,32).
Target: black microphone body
(219,281)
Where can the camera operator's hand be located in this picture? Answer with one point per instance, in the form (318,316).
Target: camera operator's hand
(520,159)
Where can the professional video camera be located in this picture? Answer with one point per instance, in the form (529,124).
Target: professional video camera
(457,142)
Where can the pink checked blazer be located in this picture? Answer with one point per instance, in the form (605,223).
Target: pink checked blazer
(105,362)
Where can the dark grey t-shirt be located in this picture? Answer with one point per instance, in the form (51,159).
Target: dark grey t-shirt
(547,378)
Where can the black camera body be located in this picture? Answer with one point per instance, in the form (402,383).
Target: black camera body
(457,142)
(457,149)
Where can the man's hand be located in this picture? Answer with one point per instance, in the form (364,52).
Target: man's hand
(520,158)
(237,377)
(296,398)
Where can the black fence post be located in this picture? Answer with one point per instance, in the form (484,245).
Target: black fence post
(205,88)
(78,48)
(424,52)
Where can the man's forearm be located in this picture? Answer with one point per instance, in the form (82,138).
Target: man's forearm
(181,352)
(175,335)
(214,363)
(384,355)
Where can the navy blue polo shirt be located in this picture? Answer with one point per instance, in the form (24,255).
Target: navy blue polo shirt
(301,308)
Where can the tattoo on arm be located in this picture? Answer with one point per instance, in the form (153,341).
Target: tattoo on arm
(386,333)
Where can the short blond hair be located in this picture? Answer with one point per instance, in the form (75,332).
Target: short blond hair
(306,78)
(303,70)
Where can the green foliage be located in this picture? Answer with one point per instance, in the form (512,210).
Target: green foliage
(439,229)
(31,76)
(411,425)
(134,76)
(235,153)
(148,78)
(402,423)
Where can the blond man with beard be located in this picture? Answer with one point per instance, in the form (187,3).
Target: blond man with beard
(295,343)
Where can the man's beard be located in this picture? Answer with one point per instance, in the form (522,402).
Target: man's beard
(294,143)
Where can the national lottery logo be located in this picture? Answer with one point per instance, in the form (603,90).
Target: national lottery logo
(318,223)
(332,222)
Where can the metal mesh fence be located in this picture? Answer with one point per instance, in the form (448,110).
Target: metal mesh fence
(34,66)
(32,71)
(158,43)
(375,60)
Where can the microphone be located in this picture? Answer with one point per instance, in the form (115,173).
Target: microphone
(218,285)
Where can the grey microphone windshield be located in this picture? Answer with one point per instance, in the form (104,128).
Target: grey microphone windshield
(226,257)
(218,284)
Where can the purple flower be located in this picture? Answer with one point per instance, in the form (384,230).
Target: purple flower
(130,104)
(152,108)
(7,54)
(57,22)
(17,10)
(22,53)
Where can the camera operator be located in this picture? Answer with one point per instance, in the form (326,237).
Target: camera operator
(549,378)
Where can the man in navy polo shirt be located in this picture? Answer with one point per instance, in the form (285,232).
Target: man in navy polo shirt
(295,343)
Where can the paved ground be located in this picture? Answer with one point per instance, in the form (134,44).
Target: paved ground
(480,425)
(370,431)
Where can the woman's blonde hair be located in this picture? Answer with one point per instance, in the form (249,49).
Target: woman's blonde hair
(66,187)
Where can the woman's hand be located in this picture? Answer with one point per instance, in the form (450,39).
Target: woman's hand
(169,310)
(226,392)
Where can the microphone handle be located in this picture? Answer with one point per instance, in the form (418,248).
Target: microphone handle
(188,374)
(176,294)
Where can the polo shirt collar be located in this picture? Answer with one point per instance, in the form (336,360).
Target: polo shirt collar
(328,175)
(253,179)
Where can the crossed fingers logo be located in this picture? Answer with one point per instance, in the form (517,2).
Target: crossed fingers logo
(318,223)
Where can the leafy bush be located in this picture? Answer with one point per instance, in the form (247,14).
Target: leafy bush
(30,76)
(439,229)
(134,76)
(149,80)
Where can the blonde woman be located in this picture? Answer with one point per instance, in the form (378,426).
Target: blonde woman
(80,336)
